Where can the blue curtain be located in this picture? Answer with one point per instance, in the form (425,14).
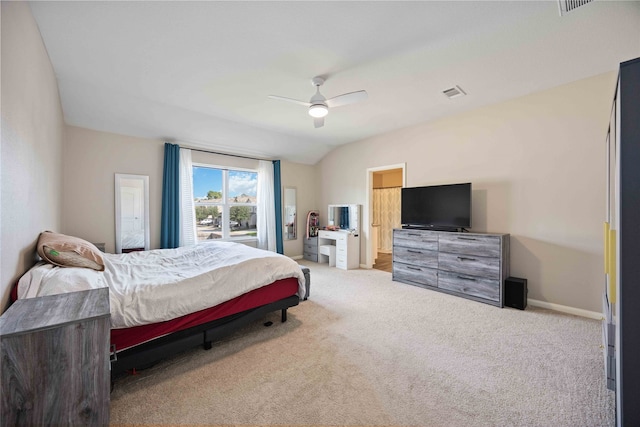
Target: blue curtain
(277,192)
(170,219)
(344,218)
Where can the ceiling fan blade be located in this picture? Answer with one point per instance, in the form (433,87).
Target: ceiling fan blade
(318,122)
(295,101)
(347,98)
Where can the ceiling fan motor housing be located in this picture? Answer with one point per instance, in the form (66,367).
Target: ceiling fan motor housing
(318,106)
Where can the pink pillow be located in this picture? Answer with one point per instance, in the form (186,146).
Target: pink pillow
(69,251)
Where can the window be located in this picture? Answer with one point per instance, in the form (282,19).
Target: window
(225,203)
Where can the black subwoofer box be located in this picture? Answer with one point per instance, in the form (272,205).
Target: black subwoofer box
(515,293)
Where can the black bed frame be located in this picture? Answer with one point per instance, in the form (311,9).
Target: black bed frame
(144,355)
(149,353)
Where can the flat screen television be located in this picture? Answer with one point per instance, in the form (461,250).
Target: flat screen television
(438,207)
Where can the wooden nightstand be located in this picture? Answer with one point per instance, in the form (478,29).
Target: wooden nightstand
(55,360)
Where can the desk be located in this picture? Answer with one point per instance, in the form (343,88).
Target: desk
(347,248)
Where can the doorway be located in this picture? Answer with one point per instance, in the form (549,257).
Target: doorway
(383,213)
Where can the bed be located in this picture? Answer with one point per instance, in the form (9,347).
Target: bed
(164,301)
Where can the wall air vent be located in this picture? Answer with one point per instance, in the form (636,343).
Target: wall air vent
(566,6)
(454,92)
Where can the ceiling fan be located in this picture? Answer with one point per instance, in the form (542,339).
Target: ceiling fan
(319,105)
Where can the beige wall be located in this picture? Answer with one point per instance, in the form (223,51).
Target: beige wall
(91,158)
(303,178)
(537,168)
(32,138)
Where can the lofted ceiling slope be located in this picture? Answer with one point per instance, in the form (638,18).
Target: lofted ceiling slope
(201,72)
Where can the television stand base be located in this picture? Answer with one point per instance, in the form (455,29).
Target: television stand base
(468,265)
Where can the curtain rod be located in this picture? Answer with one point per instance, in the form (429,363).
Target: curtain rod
(224,154)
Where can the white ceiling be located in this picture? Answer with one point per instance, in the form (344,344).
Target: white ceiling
(200,72)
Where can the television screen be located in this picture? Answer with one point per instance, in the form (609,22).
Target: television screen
(437,206)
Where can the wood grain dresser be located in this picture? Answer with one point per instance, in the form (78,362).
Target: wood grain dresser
(469,265)
(55,360)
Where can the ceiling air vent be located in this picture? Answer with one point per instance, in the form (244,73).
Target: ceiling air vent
(454,92)
(569,5)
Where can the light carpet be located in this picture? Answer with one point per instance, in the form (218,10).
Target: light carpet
(364,350)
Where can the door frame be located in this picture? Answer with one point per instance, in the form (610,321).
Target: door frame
(368,210)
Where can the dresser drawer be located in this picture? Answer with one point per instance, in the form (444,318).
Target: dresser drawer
(420,257)
(326,234)
(311,248)
(415,239)
(310,257)
(341,262)
(469,244)
(470,265)
(470,285)
(415,274)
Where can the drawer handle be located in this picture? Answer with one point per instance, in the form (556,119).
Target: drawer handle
(467,278)
(413,251)
(466,238)
(113,356)
(461,258)
(413,268)
(414,234)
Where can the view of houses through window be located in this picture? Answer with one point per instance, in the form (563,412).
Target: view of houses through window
(225,202)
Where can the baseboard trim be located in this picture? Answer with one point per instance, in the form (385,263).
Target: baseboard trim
(297,257)
(565,309)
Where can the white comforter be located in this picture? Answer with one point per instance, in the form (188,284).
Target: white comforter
(153,286)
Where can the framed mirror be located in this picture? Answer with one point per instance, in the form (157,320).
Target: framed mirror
(290,215)
(132,213)
(343,217)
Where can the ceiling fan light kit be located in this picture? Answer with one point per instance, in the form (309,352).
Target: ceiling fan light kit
(319,105)
(318,110)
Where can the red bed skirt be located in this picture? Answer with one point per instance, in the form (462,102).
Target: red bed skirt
(129,337)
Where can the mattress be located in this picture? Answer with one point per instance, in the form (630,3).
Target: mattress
(129,337)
